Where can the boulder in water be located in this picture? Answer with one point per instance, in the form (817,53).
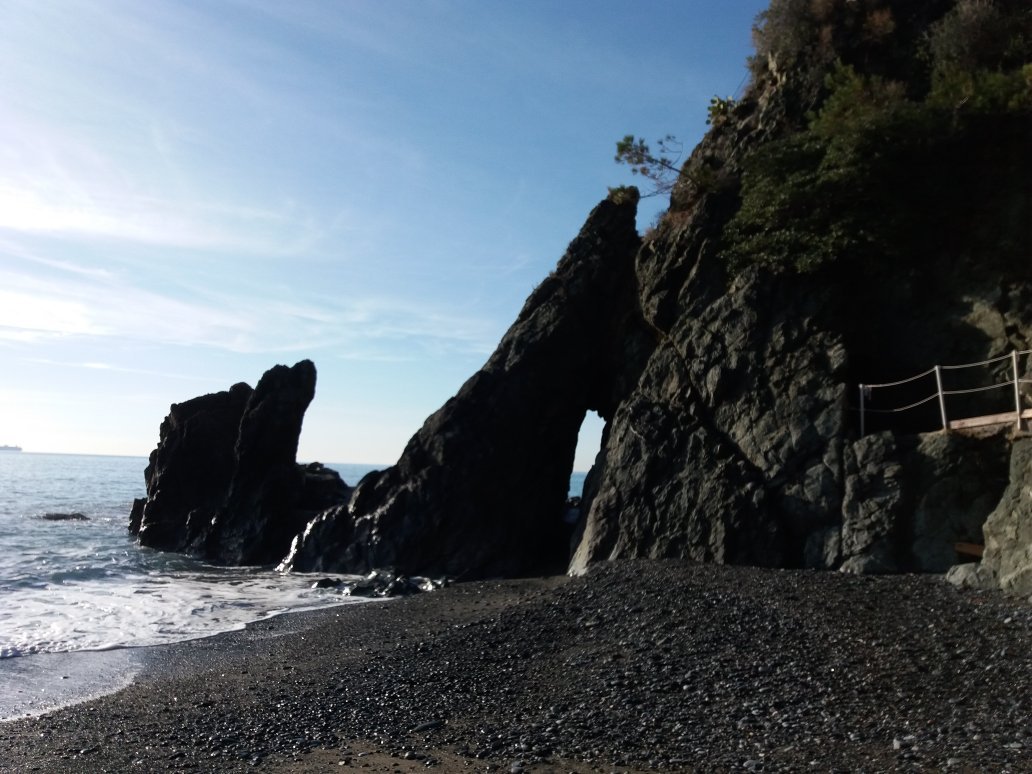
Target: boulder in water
(223,483)
(76,516)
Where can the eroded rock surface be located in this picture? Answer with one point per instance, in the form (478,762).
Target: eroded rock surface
(1007,562)
(728,385)
(190,470)
(223,483)
(732,434)
(910,499)
(259,517)
(481,489)
(730,447)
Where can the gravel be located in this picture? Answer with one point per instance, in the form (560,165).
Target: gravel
(638,666)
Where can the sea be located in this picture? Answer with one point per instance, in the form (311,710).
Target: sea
(79,598)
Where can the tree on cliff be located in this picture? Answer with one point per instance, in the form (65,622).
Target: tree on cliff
(660,167)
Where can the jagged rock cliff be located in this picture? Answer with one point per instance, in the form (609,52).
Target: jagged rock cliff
(733,433)
(1007,562)
(480,489)
(858,216)
(223,483)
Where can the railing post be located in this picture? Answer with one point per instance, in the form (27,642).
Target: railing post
(1017,390)
(942,398)
(861,411)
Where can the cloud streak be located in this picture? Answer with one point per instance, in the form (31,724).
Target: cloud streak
(96,366)
(90,306)
(161,153)
(52,185)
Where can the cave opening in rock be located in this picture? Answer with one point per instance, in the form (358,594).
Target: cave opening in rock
(589,442)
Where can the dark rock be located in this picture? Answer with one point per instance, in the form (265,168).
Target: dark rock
(481,489)
(321,488)
(823,548)
(875,508)
(729,438)
(327,583)
(728,390)
(223,483)
(1007,561)
(136,515)
(387,583)
(65,517)
(909,500)
(739,441)
(959,479)
(258,518)
(572,511)
(191,468)
(730,447)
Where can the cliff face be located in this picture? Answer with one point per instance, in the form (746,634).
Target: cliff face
(481,488)
(861,214)
(223,483)
(732,424)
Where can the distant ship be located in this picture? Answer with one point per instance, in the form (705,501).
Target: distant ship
(10,448)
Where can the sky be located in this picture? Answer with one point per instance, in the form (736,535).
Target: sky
(194,191)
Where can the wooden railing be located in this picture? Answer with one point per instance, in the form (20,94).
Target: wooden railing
(1017,415)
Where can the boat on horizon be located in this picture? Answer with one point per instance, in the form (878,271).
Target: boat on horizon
(10,448)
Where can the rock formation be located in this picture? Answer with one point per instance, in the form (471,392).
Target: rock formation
(1007,562)
(481,488)
(75,516)
(223,483)
(723,349)
(732,432)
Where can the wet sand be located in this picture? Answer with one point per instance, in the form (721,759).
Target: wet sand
(639,666)
(39,683)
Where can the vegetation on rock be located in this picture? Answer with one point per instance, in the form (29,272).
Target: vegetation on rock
(893,169)
(660,167)
(903,135)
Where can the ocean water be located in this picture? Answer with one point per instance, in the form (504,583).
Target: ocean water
(86,585)
(78,597)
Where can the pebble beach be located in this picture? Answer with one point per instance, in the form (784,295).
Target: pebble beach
(636,667)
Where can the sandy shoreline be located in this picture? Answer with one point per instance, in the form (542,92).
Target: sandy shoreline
(640,666)
(42,682)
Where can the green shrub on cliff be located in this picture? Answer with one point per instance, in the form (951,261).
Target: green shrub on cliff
(888,170)
(981,35)
(623,194)
(797,41)
(829,192)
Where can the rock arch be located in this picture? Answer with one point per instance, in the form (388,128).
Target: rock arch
(480,489)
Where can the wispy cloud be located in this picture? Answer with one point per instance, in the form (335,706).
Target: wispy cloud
(15,251)
(60,189)
(68,303)
(159,153)
(97,366)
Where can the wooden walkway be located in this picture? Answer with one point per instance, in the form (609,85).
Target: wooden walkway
(1017,415)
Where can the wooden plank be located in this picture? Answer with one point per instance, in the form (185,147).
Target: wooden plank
(989,419)
(969,549)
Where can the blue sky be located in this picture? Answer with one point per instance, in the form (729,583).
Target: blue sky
(192,192)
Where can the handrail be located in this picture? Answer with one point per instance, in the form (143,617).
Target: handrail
(921,402)
(982,363)
(977,389)
(1015,381)
(903,381)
